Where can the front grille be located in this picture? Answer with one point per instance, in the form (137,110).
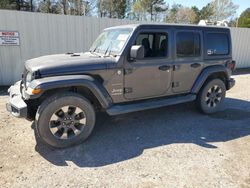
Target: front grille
(25,72)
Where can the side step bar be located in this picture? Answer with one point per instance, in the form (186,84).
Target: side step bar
(150,104)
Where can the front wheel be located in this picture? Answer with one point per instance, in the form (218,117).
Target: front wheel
(64,120)
(211,96)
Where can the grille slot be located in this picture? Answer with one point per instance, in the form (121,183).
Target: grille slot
(25,72)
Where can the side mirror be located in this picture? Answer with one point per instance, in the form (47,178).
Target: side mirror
(137,52)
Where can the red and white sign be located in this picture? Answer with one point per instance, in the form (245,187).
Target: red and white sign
(9,38)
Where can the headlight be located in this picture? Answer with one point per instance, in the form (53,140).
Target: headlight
(29,77)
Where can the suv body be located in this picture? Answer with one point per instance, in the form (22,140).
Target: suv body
(128,68)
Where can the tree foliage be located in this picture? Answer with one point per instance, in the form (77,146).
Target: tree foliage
(185,15)
(223,9)
(112,8)
(148,10)
(71,7)
(120,8)
(143,8)
(139,10)
(233,22)
(25,5)
(244,20)
(181,14)
(5,4)
(47,6)
(206,12)
(154,7)
(197,14)
(171,16)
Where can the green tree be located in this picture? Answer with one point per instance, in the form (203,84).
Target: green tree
(26,5)
(120,7)
(206,12)
(172,13)
(140,10)
(155,6)
(112,8)
(77,7)
(244,20)
(5,4)
(50,6)
(152,7)
(105,8)
(65,6)
(197,14)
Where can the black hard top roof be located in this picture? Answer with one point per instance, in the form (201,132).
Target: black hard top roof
(164,25)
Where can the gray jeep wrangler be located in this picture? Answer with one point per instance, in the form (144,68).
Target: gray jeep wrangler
(128,68)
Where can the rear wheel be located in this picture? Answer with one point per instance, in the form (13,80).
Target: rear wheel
(64,120)
(211,96)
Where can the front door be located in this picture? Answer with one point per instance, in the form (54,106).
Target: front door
(150,76)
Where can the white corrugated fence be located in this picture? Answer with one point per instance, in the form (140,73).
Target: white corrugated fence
(241,46)
(43,34)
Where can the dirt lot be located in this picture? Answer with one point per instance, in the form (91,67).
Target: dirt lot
(169,147)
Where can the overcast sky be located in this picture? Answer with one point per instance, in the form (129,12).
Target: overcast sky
(243,4)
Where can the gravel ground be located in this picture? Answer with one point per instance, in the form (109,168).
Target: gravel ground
(168,147)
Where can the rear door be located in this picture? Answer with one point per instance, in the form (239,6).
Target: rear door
(150,76)
(188,59)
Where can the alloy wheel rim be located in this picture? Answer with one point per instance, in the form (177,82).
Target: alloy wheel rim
(67,122)
(213,96)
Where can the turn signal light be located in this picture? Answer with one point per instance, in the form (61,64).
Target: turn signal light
(36,91)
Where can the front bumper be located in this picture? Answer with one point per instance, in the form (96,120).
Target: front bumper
(16,105)
(230,83)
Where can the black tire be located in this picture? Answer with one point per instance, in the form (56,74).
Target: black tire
(211,96)
(52,107)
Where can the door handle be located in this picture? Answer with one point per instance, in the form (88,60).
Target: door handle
(164,67)
(195,65)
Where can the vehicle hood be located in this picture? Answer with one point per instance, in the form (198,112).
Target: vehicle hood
(68,63)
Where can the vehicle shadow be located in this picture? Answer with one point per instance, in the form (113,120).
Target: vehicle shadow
(4,90)
(123,137)
(241,71)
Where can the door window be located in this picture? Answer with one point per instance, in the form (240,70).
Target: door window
(187,44)
(155,44)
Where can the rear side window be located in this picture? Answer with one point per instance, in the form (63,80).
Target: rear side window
(217,44)
(188,44)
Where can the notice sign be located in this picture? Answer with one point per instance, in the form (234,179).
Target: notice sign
(9,38)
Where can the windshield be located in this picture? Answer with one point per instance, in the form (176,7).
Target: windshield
(111,42)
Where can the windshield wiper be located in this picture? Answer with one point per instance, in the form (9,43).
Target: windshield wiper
(108,50)
(94,52)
